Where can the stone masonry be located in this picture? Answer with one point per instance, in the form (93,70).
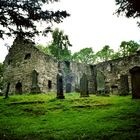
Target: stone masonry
(19,64)
(28,70)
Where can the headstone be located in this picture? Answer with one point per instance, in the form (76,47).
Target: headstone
(100,82)
(68,87)
(92,84)
(135,82)
(35,88)
(84,86)
(7,91)
(124,86)
(60,94)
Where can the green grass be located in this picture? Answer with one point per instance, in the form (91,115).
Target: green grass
(43,117)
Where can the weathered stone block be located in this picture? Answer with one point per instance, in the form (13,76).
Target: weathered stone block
(84,86)
(60,94)
(35,88)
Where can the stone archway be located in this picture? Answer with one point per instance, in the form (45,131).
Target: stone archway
(135,81)
(19,88)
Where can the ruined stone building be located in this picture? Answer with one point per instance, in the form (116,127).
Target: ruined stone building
(28,70)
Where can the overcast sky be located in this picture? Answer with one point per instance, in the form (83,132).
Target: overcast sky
(91,24)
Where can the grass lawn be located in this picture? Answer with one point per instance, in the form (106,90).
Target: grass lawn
(43,117)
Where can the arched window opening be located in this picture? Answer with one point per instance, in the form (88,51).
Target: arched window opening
(27,56)
(49,84)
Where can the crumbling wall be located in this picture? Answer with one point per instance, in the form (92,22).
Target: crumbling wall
(113,70)
(24,59)
(73,72)
(19,64)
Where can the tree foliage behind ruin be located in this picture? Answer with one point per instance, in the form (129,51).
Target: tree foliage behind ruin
(21,17)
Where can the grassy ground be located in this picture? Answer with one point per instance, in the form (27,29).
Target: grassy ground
(43,117)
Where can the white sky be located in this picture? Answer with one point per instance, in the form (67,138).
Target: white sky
(91,24)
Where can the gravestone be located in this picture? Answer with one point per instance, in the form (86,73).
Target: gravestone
(35,88)
(7,91)
(84,86)
(92,83)
(124,86)
(68,87)
(135,81)
(100,83)
(60,94)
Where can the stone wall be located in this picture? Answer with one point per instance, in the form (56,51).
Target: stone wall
(22,59)
(113,70)
(73,72)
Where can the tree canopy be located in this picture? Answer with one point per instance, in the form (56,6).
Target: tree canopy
(128,48)
(20,17)
(59,45)
(131,8)
(85,55)
(105,53)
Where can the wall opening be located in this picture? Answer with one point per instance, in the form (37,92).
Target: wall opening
(27,56)
(49,84)
(9,62)
(19,88)
(67,63)
(135,82)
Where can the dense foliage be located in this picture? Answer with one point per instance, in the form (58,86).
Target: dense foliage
(128,48)
(21,17)
(105,53)
(130,8)
(59,46)
(87,55)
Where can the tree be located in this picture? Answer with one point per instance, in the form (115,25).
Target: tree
(44,49)
(116,55)
(130,8)
(20,17)
(59,46)
(128,48)
(1,76)
(85,55)
(105,53)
